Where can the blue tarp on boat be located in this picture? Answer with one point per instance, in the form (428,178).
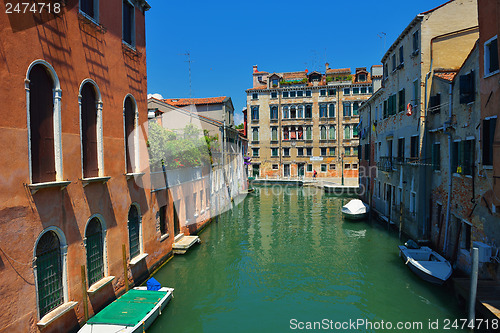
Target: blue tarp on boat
(153,284)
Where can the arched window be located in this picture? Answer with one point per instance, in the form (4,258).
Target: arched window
(94,242)
(332,132)
(293,133)
(274,112)
(130,135)
(285,112)
(134,231)
(49,272)
(286,133)
(331,110)
(355,108)
(323,133)
(300,133)
(293,112)
(347,132)
(300,111)
(41,122)
(308,133)
(89,131)
(308,111)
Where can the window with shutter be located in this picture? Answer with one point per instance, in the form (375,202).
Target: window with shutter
(488,129)
(435,104)
(129,133)
(402,100)
(95,251)
(89,131)
(331,110)
(49,273)
(467,89)
(41,106)
(134,232)
(128,23)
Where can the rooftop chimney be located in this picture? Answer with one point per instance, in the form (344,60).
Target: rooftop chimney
(255,68)
(327,67)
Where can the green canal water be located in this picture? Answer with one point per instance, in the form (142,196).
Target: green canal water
(285,257)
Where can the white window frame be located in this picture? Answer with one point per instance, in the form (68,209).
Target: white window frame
(141,255)
(258,134)
(133,39)
(63,246)
(136,161)
(104,242)
(100,144)
(94,19)
(57,93)
(487,57)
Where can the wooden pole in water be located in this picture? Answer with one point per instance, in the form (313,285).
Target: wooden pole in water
(400,216)
(84,290)
(473,284)
(125,268)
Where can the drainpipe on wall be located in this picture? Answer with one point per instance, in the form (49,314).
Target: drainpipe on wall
(450,176)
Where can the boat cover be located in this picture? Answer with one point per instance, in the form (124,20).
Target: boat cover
(129,309)
(153,284)
(355,206)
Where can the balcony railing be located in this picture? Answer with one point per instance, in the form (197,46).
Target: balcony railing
(385,163)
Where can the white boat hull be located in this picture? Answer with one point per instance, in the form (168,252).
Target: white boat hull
(426,264)
(141,326)
(355,217)
(355,210)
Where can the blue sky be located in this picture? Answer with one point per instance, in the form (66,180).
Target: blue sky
(226,38)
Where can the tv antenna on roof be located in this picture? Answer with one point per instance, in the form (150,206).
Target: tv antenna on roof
(189,61)
(382,35)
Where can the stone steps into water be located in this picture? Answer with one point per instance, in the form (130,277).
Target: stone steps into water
(183,243)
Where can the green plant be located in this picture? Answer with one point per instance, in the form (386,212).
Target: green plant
(189,150)
(291,82)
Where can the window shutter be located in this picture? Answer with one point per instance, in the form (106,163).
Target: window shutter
(463,87)
(472,87)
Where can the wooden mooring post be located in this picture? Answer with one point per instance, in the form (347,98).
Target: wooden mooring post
(125,268)
(84,292)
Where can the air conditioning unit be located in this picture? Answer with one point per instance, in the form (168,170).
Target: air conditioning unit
(484,251)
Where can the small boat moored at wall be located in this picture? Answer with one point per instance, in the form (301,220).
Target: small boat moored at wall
(355,210)
(426,263)
(133,312)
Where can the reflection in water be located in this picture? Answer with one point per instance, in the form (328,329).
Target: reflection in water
(288,254)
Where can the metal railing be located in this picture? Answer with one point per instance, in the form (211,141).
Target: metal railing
(385,163)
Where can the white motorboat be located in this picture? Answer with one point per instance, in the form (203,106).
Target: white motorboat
(426,263)
(355,210)
(133,312)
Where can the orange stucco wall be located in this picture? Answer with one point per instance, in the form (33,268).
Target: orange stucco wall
(77,49)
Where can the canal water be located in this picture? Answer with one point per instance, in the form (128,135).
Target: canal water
(283,258)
